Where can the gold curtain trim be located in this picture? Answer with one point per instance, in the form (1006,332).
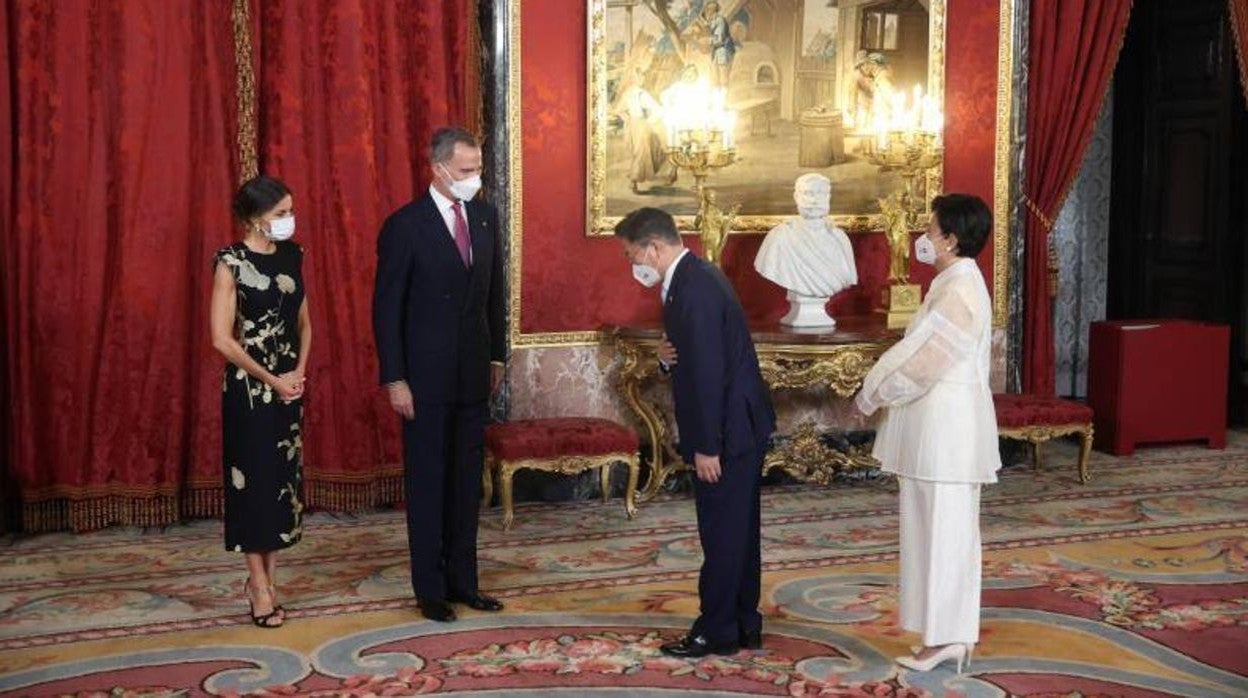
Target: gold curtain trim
(350,496)
(87,509)
(1040,215)
(245,91)
(91,513)
(473,70)
(1054,265)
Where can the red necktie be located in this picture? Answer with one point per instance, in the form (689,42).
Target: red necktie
(462,241)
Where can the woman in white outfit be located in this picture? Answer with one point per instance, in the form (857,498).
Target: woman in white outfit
(939,434)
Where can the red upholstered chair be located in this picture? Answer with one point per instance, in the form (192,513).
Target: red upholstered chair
(567,445)
(1037,419)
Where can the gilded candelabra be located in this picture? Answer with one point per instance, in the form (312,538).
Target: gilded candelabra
(713,224)
(699,139)
(700,151)
(912,154)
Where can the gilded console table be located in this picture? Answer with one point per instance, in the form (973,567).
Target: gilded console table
(789,360)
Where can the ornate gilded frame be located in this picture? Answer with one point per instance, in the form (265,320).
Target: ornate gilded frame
(509,53)
(1005,176)
(597,220)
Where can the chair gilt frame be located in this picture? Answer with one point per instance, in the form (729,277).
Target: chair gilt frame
(564,465)
(1039,433)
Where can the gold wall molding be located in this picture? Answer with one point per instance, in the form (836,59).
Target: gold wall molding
(1002,190)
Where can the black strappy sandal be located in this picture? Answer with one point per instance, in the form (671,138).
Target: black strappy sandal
(277,607)
(264,621)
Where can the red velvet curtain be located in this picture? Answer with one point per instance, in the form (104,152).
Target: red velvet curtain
(7,166)
(1239,31)
(350,92)
(1074,46)
(122,121)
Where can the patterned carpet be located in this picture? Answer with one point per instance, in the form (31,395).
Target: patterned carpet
(1133,585)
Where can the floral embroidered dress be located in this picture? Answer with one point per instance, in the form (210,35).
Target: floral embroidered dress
(262,445)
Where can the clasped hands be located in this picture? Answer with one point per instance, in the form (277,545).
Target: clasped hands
(289,386)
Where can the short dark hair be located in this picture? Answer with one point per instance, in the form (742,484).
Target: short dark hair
(967,218)
(442,145)
(646,224)
(257,196)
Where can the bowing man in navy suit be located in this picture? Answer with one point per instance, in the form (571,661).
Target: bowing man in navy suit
(438,318)
(724,415)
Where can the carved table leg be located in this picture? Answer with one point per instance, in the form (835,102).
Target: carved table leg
(505,471)
(630,493)
(807,458)
(660,469)
(487,481)
(632,375)
(1085,450)
(604,477)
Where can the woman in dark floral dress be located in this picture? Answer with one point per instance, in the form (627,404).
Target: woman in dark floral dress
(260,325)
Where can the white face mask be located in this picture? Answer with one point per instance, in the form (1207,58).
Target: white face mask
(924,250)
(281,228)
(463,189)
(646,275)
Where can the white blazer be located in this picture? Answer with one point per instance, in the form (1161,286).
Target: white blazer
(940,425)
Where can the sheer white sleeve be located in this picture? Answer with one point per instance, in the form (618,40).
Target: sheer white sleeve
(942,338)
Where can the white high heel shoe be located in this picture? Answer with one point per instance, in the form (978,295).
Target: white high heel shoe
(956,651)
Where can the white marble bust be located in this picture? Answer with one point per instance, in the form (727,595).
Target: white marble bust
(808,255)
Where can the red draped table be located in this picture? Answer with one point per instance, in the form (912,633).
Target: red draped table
(1152,381)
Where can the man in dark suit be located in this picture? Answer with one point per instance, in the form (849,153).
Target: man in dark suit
(438,318)
(724,415)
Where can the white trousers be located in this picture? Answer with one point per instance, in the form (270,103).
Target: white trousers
(941,560)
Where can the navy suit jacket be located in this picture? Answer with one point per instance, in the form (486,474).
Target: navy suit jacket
(437,324)
(723,407)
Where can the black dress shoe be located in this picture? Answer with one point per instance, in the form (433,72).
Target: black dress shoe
(694,646)
(477,600)
(440,611)
(752,640)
